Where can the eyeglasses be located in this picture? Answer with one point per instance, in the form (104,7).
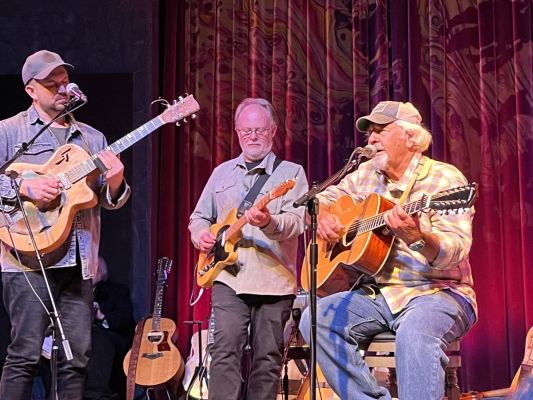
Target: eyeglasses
(247,132)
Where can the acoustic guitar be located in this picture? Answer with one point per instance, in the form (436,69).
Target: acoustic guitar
(366,243)
(521,380)
(195,379)
(227,235)
(77,171)
(159,361)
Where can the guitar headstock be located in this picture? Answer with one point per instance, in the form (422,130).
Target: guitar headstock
(164,265)
(455,200)
(283,188)
(180,109)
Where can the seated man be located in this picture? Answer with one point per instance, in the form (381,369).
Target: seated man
(112,334)
(423,292)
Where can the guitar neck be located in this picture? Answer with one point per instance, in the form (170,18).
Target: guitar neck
(377,221)
(84,168)
(239,224)
(158,305)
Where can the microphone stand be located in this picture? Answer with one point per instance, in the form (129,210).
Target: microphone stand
(71,106)
(312,204)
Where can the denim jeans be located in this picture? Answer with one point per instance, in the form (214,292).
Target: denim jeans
(266,316)
(348,320)
(73,297)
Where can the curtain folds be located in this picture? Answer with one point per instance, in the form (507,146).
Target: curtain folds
(466,65)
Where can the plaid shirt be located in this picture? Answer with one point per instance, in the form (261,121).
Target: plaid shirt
(407,274)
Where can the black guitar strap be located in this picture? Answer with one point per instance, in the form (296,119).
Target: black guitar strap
(254,190)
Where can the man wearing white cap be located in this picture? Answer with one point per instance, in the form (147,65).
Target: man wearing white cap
(423,293)
(71,266)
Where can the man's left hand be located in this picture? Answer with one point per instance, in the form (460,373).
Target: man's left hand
(259,218)
(115,170)
(403,225)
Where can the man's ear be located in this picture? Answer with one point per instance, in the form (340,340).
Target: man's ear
(30,89)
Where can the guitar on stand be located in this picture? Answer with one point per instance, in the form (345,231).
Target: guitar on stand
(157,361)
(196,376)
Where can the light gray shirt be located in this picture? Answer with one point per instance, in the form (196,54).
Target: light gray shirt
(85,232)
(266,262)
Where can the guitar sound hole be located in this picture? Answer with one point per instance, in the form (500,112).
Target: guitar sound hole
(155,337)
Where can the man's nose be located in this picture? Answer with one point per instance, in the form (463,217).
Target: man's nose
(62,89)
(373,138)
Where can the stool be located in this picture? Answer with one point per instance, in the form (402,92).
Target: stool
(386,343)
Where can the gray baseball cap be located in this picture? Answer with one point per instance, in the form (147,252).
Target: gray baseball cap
(40,64)
(389,111)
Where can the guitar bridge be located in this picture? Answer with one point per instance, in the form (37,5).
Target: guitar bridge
(152,356)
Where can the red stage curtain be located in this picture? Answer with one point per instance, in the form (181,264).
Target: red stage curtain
(467,65)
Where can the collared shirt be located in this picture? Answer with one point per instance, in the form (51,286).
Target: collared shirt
(85,232)
(266,257)
(407,274)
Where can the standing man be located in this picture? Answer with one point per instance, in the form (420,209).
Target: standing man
(257,291)
(424,291)
(71,266)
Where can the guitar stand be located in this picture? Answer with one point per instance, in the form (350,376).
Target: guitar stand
(153,389)
(200,370)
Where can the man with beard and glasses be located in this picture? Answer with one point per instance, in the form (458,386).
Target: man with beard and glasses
(423,293)
(71,266)
(257,292)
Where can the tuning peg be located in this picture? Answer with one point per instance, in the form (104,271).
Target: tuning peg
(185,120)
(180,98)
(178,123)
(193,116)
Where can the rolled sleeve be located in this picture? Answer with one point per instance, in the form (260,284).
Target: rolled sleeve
(455,239)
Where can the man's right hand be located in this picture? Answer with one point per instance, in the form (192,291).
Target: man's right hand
(41,190)
(206,241)
(329,228)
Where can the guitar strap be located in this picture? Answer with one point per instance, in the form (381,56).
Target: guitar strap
(254,190)
(421,172)
(134,358)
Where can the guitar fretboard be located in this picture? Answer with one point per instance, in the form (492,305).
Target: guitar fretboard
(164,265)
(377,221)
(237,225)
(84,168)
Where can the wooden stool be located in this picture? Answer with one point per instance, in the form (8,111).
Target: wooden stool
(386,343)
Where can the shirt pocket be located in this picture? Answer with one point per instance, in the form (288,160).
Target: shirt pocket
(37,153)
(227,195)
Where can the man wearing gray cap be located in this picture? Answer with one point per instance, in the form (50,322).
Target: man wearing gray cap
(72,265)
(423,291)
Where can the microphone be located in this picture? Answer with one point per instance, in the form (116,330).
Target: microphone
(368,151)
(75,92)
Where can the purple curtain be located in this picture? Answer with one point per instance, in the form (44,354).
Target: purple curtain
(466,65)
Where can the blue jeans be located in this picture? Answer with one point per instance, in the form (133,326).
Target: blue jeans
(348,320)
(73,297)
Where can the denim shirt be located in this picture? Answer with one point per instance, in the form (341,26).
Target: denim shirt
(266,262)
(84,235)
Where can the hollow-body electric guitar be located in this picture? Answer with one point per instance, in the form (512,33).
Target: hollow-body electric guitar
(227,235)
(366,243)
(76,170)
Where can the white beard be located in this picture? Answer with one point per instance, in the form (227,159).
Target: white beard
(380,160)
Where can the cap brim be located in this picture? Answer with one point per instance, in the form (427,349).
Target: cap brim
(45,72)
(363,122)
